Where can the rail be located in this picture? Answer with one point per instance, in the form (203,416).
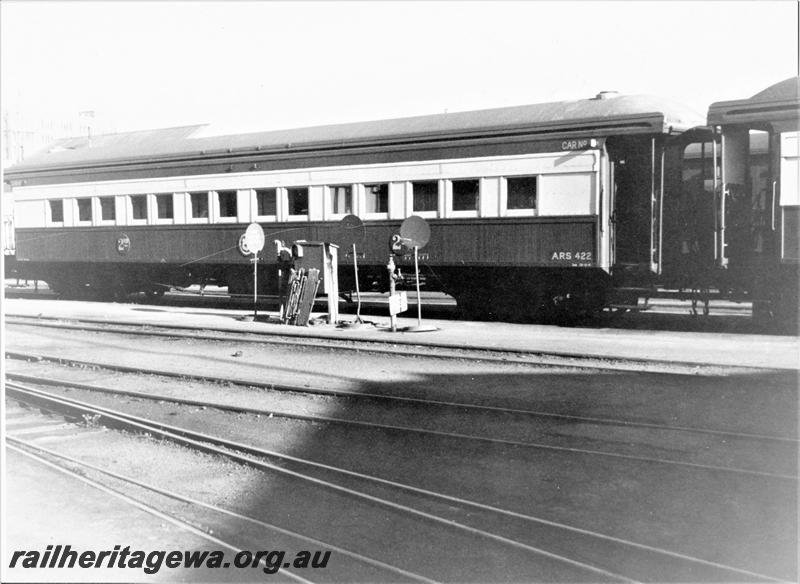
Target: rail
(256,457)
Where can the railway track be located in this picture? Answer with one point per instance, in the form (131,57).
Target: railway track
(485,456)
(712,444)
(79,471)
(538,544)
(223,527)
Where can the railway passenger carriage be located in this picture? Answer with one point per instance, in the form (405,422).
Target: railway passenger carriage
(758,218)
(533,210)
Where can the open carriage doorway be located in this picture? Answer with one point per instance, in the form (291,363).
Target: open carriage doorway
(637,184)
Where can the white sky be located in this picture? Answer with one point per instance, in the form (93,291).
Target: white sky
(259,65)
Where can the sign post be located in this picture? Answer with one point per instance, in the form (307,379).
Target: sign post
(416,278)
(252,242)
(358,291)
(255,285)
(416,232)
(395,303)
(352,232)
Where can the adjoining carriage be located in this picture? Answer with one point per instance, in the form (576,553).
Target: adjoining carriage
(757,251)
(733,219)
(534,210)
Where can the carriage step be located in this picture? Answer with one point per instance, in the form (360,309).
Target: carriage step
(631,307)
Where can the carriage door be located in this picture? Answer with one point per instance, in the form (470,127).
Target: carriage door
(638,204)
(745,231)
(787,215)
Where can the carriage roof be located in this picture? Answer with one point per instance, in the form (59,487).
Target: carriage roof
(779,102)
(601,116)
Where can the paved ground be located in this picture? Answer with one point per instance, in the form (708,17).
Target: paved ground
(698,348)
(52,508)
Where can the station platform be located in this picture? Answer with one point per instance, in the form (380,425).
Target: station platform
(720,349)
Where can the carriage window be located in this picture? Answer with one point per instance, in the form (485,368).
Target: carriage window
(108,211)
(139,207)
(57,211)
(298,201)
(164,206)
(465,195)
(199,204)
(267,201)
(341,200)
(426,196)
(377,198)
(759,170)
(697,161)
(227,203)
(84,209)
(521,192)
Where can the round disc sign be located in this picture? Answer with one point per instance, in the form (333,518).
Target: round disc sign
(416,230)
(253,239)
(351,231)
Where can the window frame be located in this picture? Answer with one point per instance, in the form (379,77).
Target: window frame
(50,221)
(523,212)
(432,214)
(217,202)
(130,208)
(157,219)
(295,217)
(451,210)
(366,187)
(77,215)
(254,205)
(328,193)
(190,218)
(101,219)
